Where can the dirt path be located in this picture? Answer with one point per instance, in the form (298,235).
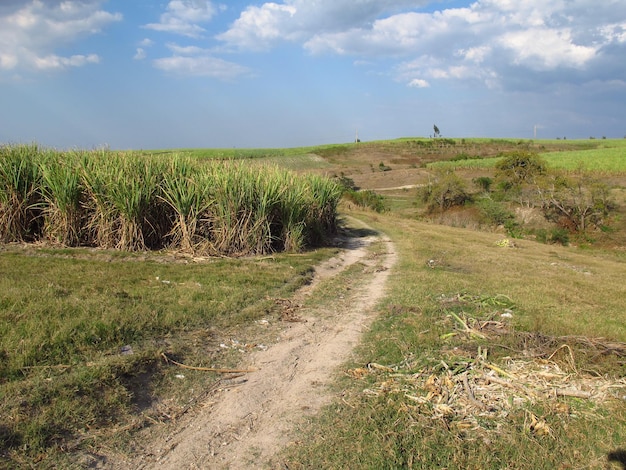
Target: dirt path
(246,422)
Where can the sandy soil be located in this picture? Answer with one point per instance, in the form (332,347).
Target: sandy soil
(246,421)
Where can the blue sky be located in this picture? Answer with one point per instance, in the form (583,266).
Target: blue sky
(195,73)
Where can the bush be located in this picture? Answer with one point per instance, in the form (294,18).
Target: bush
(520,167)
(559,235)
(483,183)
(494,212)
(448,190)
(346,183)
(555,235)
(368,199)
(577,204)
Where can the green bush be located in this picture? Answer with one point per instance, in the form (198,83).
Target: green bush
(520,167)
(555,235)
(367,199)
(346,183)
(494,212)
(483,183)
(446,191)
(559,235)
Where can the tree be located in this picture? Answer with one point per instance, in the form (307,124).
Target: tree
(577,204)
(436,129)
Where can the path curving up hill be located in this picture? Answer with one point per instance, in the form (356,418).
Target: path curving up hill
(245,423)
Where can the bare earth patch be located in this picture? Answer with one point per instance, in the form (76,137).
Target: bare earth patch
(246,421)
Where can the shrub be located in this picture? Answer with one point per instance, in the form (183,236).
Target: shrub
(483,183)
(520,167)
(559,235)
(494,212)
(577,204)
(446,191)
(346,183)
(368,199)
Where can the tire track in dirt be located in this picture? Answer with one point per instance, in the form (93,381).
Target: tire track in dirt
(244,424)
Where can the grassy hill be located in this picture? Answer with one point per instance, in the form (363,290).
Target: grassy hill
(489,351)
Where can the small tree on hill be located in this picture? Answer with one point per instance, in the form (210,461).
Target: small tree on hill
(576,204)
(436,130)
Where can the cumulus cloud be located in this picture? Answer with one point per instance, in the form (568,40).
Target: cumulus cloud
(31,31)
(196,61)
(184,17)
(261,27)
(484,42)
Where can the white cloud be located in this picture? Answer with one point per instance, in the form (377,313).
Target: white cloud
(30,32)
(545,49)
(260,27)
(195,61)
(56,62)
(489,41)
(614,33)
(184,17)
(419,83)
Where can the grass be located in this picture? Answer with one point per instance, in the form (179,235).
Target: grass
(601,156)
(552,292)
(606,159)
(68,321)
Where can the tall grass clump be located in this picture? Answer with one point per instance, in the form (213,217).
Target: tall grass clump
(231,220)
(185,190)
(255,210)
(123,192)
(62,193)
(322,207)
(19,192)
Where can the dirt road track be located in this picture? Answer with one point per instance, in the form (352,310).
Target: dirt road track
(249,419)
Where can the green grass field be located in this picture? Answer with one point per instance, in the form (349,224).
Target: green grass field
(606,156)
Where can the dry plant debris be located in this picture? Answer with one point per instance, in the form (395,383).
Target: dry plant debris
(288,310)
(475,394)
(468,392)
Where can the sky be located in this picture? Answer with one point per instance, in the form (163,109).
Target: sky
(146,74)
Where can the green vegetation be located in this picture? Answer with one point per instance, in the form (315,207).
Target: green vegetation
(137,202)
(444,192)
(578,202)
(363,199)
(606,156)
